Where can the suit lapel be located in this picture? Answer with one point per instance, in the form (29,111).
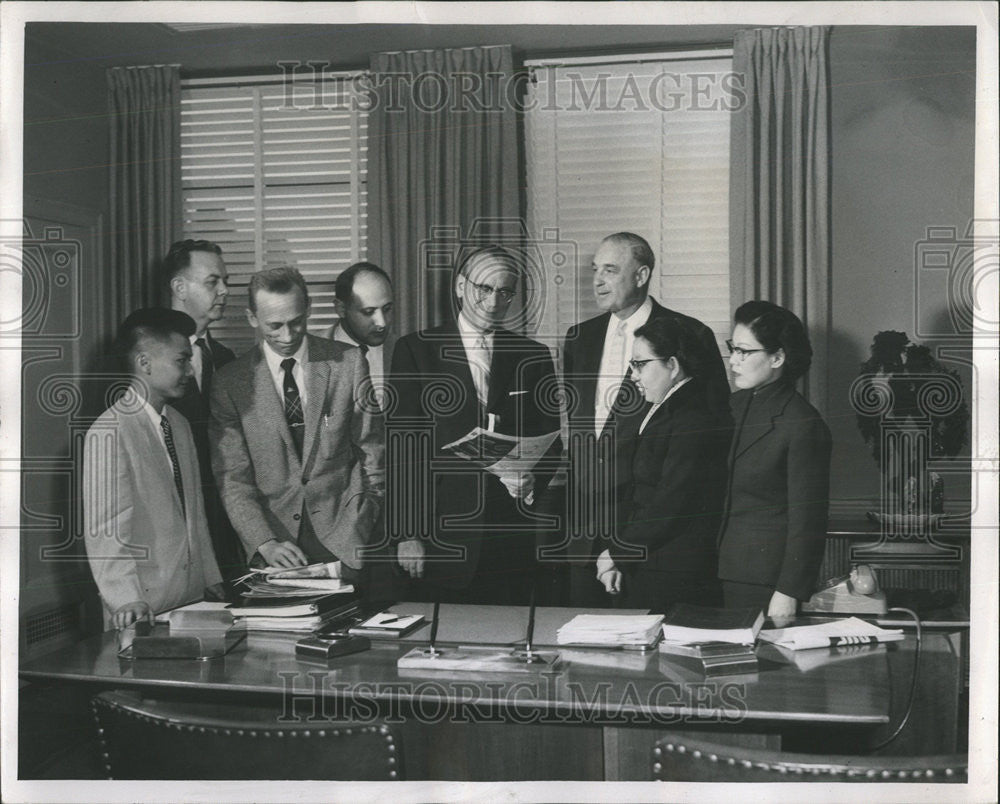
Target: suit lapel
(503,364)
(760,418)
(454,362)
(317,373)
(271,407)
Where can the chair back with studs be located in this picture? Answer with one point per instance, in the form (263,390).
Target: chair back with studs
(680,758)
(150,739)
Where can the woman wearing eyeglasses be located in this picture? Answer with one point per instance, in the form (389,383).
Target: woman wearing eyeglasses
(774,525)
(678,469)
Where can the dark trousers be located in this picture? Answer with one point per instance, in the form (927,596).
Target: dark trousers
(585,591)
(738,595)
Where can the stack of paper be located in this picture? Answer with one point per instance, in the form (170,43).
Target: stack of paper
(850,631)
(283,582)
(610,630)
(294,613)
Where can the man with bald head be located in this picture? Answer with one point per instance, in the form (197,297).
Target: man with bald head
(365,307)
(605,408)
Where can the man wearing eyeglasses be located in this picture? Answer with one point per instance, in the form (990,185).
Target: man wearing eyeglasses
(604,407)
(463,534)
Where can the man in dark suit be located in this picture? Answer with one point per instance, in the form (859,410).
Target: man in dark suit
(297,451)
(196,277)
(604,408)
(463,533)
(364,303)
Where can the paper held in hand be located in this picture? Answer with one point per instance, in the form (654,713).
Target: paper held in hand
(501,454)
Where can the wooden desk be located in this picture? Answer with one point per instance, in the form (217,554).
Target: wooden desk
(596,719)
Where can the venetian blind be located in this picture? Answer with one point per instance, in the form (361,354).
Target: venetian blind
(639,146)
(275,173)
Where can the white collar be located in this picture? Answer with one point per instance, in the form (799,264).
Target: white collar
(274,360)
(637,319)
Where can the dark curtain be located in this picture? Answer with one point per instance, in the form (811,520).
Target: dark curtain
(144,107)
(780,182)
(443,168)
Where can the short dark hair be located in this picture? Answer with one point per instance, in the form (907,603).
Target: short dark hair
(156,323)
(276,280)
(641,252)
(179,257)
(343,287)
(777,328)
(669,337)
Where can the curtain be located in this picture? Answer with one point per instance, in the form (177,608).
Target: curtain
(443,168)
(144,107)
(780,182)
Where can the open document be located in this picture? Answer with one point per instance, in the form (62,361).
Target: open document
(501,454)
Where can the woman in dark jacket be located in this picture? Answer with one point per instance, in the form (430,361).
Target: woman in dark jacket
(666,551)
(774,526)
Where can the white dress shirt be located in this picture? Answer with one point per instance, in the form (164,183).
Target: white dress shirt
(479,352)
(618,340)
(278,373)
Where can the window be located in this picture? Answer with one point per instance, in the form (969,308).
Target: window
(639,145)
(275,173)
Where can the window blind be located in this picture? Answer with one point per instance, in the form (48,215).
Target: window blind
(275,173)
(639,146)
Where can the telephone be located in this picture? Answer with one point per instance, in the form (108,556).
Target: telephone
(857,593)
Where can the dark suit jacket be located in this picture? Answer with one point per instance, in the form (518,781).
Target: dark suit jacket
(675,502)
(774,527)
(600,474)
(434,394)
(194,405)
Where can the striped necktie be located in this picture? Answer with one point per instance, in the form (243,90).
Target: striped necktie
(168,439)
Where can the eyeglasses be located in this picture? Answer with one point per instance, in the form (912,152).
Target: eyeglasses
(483,292)
(637,365)
(739,352)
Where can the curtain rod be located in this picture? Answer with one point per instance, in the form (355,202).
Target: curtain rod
(715,51)
(268,78)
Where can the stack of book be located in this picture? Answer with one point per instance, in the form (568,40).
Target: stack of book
(294,613)
(718,642)
(611,630)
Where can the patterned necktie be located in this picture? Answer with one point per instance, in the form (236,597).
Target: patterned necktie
(293,405)
(479,362)
(207,367)
(168,439)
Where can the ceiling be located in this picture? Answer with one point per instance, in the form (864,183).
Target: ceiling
(254,47)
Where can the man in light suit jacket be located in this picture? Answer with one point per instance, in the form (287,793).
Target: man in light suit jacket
(604,407)
(144,519)
(297,448)
(478,545)
(196,279)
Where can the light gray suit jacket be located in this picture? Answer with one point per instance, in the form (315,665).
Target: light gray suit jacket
(140,544)
(262,481)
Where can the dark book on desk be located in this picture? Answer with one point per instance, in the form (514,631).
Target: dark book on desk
(689,623)
(718,665)
(706,650)
(325,605)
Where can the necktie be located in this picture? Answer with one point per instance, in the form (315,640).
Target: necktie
(293,405)
(371,393)
(479,362)
(610,384)
(207,367)
(168,439)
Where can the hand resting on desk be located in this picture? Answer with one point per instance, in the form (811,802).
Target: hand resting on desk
(125,615)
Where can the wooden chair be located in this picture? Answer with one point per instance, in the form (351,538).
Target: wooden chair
(148,739)
(679,758)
